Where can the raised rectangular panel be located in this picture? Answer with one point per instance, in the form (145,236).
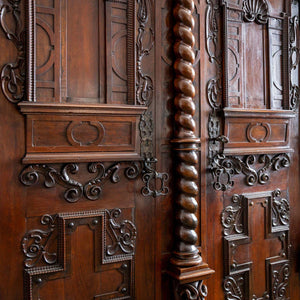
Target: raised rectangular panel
(263,131)
(74,133)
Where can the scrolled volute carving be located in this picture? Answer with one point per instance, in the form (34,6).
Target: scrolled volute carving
(280,283)
(92,189)
(74,190)
(34,244)
(123,234)
(234,288)
(280,210)
(13,74)
(232,217)
(192,291)
(256,11)
(144,91)
(224,168)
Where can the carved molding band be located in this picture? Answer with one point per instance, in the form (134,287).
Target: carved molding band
(91,190)
(13,74)
(224,168)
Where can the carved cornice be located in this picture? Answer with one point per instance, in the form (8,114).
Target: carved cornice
(13,74)
(91,190)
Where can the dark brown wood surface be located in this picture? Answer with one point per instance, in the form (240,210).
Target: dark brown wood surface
(103,196)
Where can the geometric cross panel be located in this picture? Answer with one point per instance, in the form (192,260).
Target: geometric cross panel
(58,260)
(256,246)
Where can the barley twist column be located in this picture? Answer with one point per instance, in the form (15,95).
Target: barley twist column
(185,141)
(186,268)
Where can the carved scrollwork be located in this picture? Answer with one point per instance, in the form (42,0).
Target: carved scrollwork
(34,244)
(193,291)
(144,92)
(280,282)
(151,177)
(224,168)
(123,234)
(146,134)
(294,63)
(256,11)
(13,74)
(280,210)
(92,189)
(232,217)
(234,288)
(31,176)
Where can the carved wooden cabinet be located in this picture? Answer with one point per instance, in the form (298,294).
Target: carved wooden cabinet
(150,149)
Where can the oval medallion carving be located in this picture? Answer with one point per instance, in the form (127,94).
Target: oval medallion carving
(258,132)
(85,133)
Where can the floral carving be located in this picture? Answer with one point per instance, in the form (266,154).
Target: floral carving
(123,234)
(34,244)
(13,74)
(256,10)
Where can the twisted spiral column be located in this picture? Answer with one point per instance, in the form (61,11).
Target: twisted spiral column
(185,141)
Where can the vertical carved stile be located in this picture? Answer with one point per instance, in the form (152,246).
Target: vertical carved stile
(185,141)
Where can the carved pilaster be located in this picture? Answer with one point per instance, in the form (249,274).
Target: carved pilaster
(187,269)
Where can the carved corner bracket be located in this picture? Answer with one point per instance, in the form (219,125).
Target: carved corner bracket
(13,74)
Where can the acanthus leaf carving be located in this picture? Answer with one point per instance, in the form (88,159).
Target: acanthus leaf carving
(34,244)
(13,74)
(122,232)
(92,189)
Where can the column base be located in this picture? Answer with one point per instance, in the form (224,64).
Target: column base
(188,281)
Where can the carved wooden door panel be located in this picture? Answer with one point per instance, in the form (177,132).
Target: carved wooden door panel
(253,93)
(150,149)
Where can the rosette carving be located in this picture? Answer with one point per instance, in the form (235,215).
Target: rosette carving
(185,141)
